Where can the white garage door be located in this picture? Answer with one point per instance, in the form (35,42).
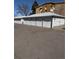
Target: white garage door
(58,22)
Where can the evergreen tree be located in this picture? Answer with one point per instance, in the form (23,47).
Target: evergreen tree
(35,4)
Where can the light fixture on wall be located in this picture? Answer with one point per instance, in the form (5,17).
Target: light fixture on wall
(45,8)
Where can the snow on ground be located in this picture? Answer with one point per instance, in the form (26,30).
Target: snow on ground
(40,15)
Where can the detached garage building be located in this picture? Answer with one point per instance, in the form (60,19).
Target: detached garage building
(47,19)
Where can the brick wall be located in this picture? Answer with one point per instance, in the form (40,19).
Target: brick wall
(59,8)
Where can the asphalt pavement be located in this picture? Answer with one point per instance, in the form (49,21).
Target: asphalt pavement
(38,43)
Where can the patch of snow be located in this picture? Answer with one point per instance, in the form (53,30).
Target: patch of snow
(40,15)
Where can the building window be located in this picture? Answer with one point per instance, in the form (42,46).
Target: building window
(41,10)
(52,9)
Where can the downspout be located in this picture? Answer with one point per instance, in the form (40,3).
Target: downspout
(51,22)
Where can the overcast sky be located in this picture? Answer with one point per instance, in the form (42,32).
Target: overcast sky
(30,2)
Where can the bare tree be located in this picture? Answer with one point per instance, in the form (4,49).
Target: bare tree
(23,9)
